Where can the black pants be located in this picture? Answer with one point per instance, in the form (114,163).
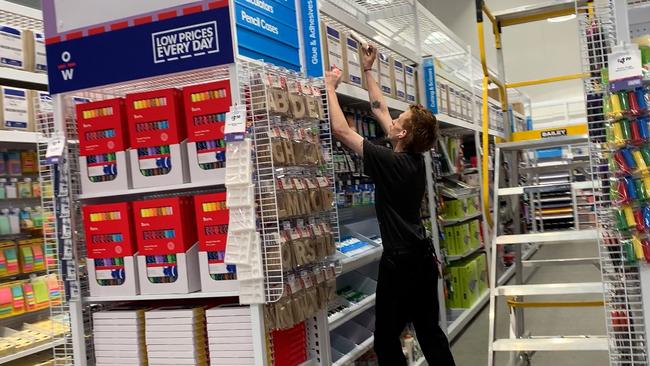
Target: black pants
(407,291)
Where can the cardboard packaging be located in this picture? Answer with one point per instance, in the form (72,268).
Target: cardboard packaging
(386,74)
(206,106)
(157,134)
(103,146)
(16,109)
(212,219)
(400,80)
(353,61)
(15,50)
(333,49)
(111,249)
(40,59)
(410,76)
(167,250)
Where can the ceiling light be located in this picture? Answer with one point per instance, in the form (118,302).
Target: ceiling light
(563,18)
(379,2)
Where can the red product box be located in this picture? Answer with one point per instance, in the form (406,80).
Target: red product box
(164,226)
(155,118)
(101,127)
(109,230)
(212,221)
(206,106)
(289,345)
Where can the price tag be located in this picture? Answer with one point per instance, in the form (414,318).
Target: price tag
(55,147)
(235,129)
(624,66)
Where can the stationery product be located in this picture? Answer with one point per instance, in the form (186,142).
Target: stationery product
(206,106)
(230,336)
(111,249)
(387,74)
(353,61)
(212,217)
(167,252)
(103,145)
(157,134)
(410,75)
(334,50)
(16,109)
(173,326)
(119,336)
(400,80)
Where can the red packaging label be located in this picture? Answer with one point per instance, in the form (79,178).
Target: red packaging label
(109,230)
(212,221)
(164,226)
(206,106)
(102,127)
(155,118)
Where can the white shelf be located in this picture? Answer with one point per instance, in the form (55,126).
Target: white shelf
(193,295)
(19,137)
(23,79)
(361,94)
(456,326)
(462,219)
(351,263)
(338,319)
(31,351)
(357,352)
(138,191)
(452,258)
(446,119)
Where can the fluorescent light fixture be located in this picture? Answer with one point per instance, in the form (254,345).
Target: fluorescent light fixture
(561,19)
(379,2)
(436,37)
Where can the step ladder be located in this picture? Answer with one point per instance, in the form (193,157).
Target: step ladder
(522,343)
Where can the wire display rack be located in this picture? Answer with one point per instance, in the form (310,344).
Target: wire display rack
(621,279)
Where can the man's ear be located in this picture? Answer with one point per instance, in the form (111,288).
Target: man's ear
(402,133)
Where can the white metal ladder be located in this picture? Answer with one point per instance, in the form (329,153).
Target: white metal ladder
(520,344)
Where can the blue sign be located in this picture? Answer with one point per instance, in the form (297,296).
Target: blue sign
(430,85)
(311,38)
(268,30)
(168,46)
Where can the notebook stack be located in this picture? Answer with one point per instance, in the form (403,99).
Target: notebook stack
(119,337)
(176,336)
(230,336)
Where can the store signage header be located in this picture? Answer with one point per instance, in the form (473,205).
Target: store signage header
(268,30)
(311,38)
(183,43)
(192,41)
(430,85)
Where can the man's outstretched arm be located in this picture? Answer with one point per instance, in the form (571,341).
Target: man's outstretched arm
(377,101)
(340,127)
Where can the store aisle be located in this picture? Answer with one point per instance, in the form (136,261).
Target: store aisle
(471,348)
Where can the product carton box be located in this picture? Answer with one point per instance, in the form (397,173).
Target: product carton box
(16,109)
(15,50)
(482,270)
(463,238)
(472,204)
(386,74)
(450,240)
(353,61)
(454,290)
(103,146)
(111,249)
(400,80)
(475,233)
(410,76)
(212,219)
(334,49)
(469,284)
(167,250)
(454,209)
(39,62)
(206,106)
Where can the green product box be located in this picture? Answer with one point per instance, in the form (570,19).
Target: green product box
(454,289)
(454,209)
(472,204)
(481,268)
(450,240)
(469,283)
(475,233)
(463,238)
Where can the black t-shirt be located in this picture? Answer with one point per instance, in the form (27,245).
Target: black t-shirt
(400,181)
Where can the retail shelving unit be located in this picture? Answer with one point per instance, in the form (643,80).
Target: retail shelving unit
(407,31)
(12,143)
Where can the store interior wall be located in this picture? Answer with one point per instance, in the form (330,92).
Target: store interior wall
(36,4)
(531,51)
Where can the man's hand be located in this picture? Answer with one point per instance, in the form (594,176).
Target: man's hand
(333,79)
(368,56)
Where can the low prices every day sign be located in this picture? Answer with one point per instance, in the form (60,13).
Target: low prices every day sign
(185,42)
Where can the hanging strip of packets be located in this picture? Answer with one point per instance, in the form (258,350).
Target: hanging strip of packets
(628,138)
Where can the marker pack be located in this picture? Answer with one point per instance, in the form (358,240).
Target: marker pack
(167,250)
(206,106)
(103,144)
(212,217)
(157,138)
(111,249)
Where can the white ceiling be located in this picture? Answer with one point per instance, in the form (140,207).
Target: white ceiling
(531,51)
